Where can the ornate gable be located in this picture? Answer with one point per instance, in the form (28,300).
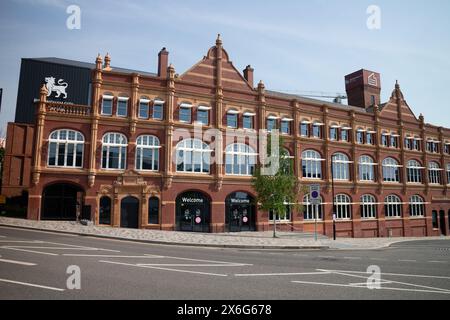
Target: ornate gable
(216,69)
(397,104)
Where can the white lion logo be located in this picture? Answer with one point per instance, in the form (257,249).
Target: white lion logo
(59,88)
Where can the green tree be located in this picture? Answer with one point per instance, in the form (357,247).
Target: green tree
(274,191)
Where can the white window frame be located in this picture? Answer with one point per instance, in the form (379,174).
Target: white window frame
(366,167)
(368,207)
(192,152)
(109,98)
(78,140)
(159,103)
(392,207)
(119,100)
(343,205)
(434,173)
(414,172)
(416,206)
(244,155)
(341,168)
(144,102)
(147,142)
(390,170)
(312,159)
(116,143)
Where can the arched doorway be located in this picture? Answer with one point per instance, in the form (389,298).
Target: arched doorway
(193,211)
(105,210)
(129,213)
(62,201)
(240,212)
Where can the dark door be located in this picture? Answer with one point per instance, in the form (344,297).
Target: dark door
(105,210)
(240,213)
(129,213)
(442,223)
(61,202)
(193,212)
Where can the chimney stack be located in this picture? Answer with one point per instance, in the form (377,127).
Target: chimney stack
(163,63)
(363,88)
(248,75)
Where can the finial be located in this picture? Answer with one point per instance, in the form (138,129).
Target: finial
(43,90)
(397,85)
(107,62)
(218,41)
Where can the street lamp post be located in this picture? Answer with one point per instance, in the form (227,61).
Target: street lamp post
(332,194)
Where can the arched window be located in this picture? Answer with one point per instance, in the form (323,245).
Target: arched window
(416,206)
(414,170)
(240,159)
(310,211)
(147,153)
(153,210)
(193,155)
(340,166)
(366,172)
(65,149)
(114,151)
(391,172)
(434,173)
(311,164)
(368,207)
(392,206)
(343,206)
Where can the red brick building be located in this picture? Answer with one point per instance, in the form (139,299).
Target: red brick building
(111,159)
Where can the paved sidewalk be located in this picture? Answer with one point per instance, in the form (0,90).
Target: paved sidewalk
(257,240)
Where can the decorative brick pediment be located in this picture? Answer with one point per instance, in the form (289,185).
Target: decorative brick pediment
(130,178)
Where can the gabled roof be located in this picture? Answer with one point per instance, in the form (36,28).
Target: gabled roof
(205,71)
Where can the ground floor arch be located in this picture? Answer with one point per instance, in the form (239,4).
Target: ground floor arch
(62,201)
(129,212)
(240,212)
(105,210)
(193,212)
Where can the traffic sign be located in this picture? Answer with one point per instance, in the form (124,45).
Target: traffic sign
(314,193)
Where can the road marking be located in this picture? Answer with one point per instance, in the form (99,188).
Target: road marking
(32,251)
(166,269)
(192,265)
(279,274)
(361,287)
(434,261)
(21,241)
(378,259)
(109,256)
(18,262)
(2,236)
(326,257)
(352,258)
(72,245)
(407,260)
(398,282)
(31,285)
(53,248)
(202,260)
(389,274)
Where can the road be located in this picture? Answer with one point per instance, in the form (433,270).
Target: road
(34,265)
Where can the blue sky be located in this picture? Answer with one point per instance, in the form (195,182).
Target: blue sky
(292,45)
